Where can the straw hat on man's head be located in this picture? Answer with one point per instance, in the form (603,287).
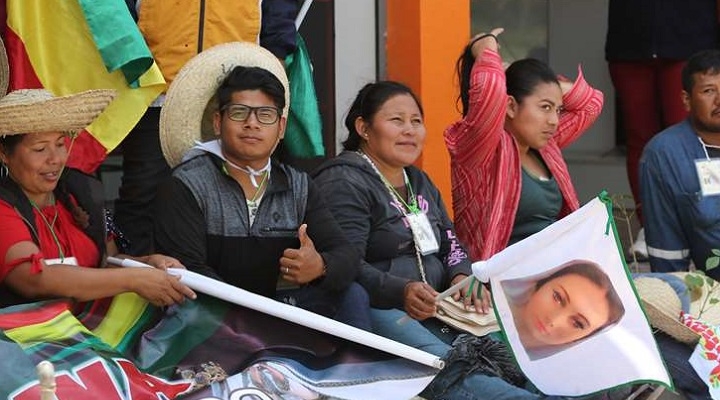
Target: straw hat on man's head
(186,116)
(36,110)
(662,297)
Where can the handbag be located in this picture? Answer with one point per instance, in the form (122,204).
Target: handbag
(453,313)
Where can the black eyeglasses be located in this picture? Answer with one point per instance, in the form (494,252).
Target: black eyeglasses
(240,112)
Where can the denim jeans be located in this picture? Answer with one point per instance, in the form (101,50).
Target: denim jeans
(351,307)
(676,356)
(450,384)
(429,335)
(144,169)
(480,368)
(453,382)
(475,386)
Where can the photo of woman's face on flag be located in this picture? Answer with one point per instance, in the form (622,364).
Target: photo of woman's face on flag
(568,309)
(562,306)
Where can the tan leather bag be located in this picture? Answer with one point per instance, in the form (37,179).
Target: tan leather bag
(454,314)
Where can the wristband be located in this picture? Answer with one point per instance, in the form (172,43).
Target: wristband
(483,36)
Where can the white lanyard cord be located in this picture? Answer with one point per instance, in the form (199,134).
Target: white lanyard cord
(252,172)
(705,146)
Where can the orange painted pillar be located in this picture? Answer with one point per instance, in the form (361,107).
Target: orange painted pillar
(424,39)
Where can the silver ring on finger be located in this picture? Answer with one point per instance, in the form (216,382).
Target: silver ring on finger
(287,270)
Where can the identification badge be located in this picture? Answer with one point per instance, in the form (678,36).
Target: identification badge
(709,176)
(66,261)
(423,233)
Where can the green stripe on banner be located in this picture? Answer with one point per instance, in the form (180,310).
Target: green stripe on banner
(178,334)
(117,38)
(88,342)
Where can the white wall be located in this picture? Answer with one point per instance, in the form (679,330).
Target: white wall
(576,34)
(355,54)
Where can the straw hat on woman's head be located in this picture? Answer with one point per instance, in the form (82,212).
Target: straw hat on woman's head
(36,110)
(663,305)
(186,116)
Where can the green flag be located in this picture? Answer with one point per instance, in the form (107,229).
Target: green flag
(118,40)
(303,136)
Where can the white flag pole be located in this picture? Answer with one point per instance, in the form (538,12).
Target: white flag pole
(290,313)
(302,13)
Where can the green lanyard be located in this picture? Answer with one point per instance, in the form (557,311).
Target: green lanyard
(259,188)
(413,206)
(51,226)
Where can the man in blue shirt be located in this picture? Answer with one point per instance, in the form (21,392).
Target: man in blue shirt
(680,193)
(680,176)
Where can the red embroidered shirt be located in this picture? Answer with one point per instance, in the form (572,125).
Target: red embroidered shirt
(485,163)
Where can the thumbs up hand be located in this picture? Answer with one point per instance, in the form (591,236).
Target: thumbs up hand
(302,265)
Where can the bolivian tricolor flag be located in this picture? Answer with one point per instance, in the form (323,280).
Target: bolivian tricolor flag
(123,348)
(68,46)
(88,347)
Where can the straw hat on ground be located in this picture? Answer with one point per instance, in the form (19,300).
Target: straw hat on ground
(36,110)
(663,305)
(186,115)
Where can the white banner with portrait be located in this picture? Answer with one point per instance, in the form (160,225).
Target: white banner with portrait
(569,310)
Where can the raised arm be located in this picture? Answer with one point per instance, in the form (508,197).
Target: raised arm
(475,138)
(582,105)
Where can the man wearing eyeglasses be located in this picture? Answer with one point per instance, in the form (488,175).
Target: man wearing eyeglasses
(176,31)
(232,213)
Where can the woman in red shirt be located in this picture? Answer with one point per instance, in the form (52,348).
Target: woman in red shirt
(52,237)
(509,179)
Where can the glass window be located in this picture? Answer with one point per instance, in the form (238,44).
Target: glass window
(525,23)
